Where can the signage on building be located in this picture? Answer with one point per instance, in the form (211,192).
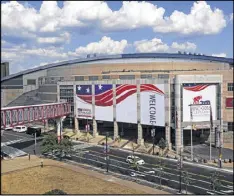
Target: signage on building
(126,103)
(152,104)
(197,99)
(229,102)
(84,101)
(104,102)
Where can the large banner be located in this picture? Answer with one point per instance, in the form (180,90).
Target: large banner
(104,102)
(126,103)
(201,96)
(84,101)
(152,104)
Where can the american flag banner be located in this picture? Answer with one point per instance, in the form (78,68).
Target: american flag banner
(195,87)
(84,92)
(103,95)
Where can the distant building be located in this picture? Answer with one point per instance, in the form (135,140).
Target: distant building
(4,69)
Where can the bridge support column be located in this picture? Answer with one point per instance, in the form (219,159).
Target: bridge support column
(116,130)
(76,122)
(140,139)
(58,127)
(46,125)
(94,128)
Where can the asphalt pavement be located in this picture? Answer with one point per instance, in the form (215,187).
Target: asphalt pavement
(200,177)
(12,135)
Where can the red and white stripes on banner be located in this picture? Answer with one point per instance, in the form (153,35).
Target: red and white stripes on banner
(19,115)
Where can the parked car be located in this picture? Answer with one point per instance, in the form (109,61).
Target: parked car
(131,158)
(33,130)
(9,129)
(20,129)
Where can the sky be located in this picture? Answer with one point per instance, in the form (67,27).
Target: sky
(35,33)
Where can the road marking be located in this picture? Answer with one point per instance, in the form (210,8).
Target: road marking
(169,168)
(162,172)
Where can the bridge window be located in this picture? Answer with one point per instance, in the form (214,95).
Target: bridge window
(230,87)
(31,82)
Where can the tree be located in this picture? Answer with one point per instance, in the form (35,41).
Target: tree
(55,192)
(215,181)
(49,143)
(162,145)
(186,179)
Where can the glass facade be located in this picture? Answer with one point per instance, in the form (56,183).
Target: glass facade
(67,94)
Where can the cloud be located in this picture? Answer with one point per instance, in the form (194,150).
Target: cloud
(97,15)
(65,37)
(157,45)
(231,17)
(220,55)
(187,46)
(105,46)
(201,20)
(154,45)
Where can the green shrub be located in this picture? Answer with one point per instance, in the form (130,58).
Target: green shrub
(55,192)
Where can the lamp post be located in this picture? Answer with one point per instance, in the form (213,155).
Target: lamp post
(191,131)
(153,137)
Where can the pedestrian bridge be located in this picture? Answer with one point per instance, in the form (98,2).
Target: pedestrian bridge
(19,115)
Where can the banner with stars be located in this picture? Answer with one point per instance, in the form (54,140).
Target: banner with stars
(104,102)
(84,101)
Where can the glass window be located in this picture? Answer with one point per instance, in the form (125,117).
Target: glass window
(79,78)
(230,86)
(106,77)
(230,126)
(126,77)
(31,82)
(93,77)
(143,76)
(163,76)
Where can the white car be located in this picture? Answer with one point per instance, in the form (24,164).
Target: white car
(131,158)
(9,129)
(20,129)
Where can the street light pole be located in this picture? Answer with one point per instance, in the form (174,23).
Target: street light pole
(191,131)
(180,171)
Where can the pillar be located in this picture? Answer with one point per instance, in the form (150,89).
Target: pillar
(168,137)
(94,128)
(58,127)
(46,125)
(140,139)
(116,130)
(178,127)
(76,122)
(168,114)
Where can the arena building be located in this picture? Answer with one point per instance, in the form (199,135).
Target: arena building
(179,78)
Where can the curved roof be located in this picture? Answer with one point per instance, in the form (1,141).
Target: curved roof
(126,56)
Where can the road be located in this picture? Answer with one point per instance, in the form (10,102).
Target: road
(12,136)
(200,177)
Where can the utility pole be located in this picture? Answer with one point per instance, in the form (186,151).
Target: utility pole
(220,148)
(107,165)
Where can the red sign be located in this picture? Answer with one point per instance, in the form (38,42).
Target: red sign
(229,102)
